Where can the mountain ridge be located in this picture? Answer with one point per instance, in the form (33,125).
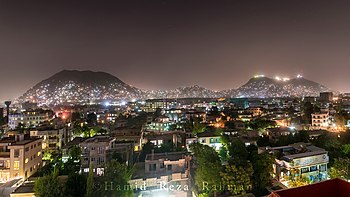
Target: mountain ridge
(74,86)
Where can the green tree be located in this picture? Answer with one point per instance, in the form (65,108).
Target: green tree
(90,183)
(48,185)
(262,166)
(208,169)
(296,179)
(238,152)
(75,185)
(340,169)
(237,179)
(346,150)
(118,175)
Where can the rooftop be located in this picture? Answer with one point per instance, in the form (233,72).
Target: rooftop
(333,187)
(174,156)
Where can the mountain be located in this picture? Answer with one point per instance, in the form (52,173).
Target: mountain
(184,92)
(72,86)
(264,87)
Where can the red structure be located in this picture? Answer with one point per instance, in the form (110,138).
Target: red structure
(334,187)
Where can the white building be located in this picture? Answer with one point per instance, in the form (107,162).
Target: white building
(27,119)
(320,120)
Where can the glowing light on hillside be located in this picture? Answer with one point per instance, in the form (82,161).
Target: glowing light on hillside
(259,76)
(299,76)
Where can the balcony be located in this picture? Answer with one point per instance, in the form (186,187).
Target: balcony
(5,154)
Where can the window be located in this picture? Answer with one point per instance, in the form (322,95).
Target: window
(162,165)
(313,168)
(305,170)
(170,167)
(152,167)
(16,165)
(26,161)
(27,149)
(323,167)
(16,153)
(39,153)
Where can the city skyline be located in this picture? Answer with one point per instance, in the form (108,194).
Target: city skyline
(165,44)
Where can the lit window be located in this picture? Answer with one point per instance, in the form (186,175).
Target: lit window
(39,153)
(16,165)
(26,161)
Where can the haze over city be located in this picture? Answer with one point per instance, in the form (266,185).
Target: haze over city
(167,44)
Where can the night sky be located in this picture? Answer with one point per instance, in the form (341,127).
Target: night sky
(167,44)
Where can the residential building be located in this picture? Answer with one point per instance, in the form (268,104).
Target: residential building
(20,157)
(52,139)
(310,161)
(320,120)
(28,118)
(96,151)
(162,171)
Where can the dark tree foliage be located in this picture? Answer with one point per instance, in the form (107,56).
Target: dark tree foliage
(75,185)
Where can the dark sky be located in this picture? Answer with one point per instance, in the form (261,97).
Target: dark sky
(167,44)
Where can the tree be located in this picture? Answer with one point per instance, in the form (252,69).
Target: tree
(48,185)
(208,168)
(91,119)
(117,175)
(237,152)
(302,136)
(346,150)
(75,185)
(237,179)
(296,179)
(340,169)
(90,183)
(198,127)
(262,166)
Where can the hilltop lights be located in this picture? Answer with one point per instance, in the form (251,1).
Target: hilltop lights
(282,79)
(299,76)
(259,76)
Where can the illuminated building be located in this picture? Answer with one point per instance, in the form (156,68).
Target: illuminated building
(20,157)
(161,171)
(320,120)
(96,152)
(52,139)
(161,123)
(28,118)
(206,138)
(307,160)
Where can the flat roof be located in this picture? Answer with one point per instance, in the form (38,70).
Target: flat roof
(172,156)
(333,187)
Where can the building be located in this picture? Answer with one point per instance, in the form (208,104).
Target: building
(162,171)
(28,118)
(320,120)
(52,139)
(20,157)
(154,104)
(332,187)
(326,96)
(310,161)
(161,123)
(97,150)
(206,138)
